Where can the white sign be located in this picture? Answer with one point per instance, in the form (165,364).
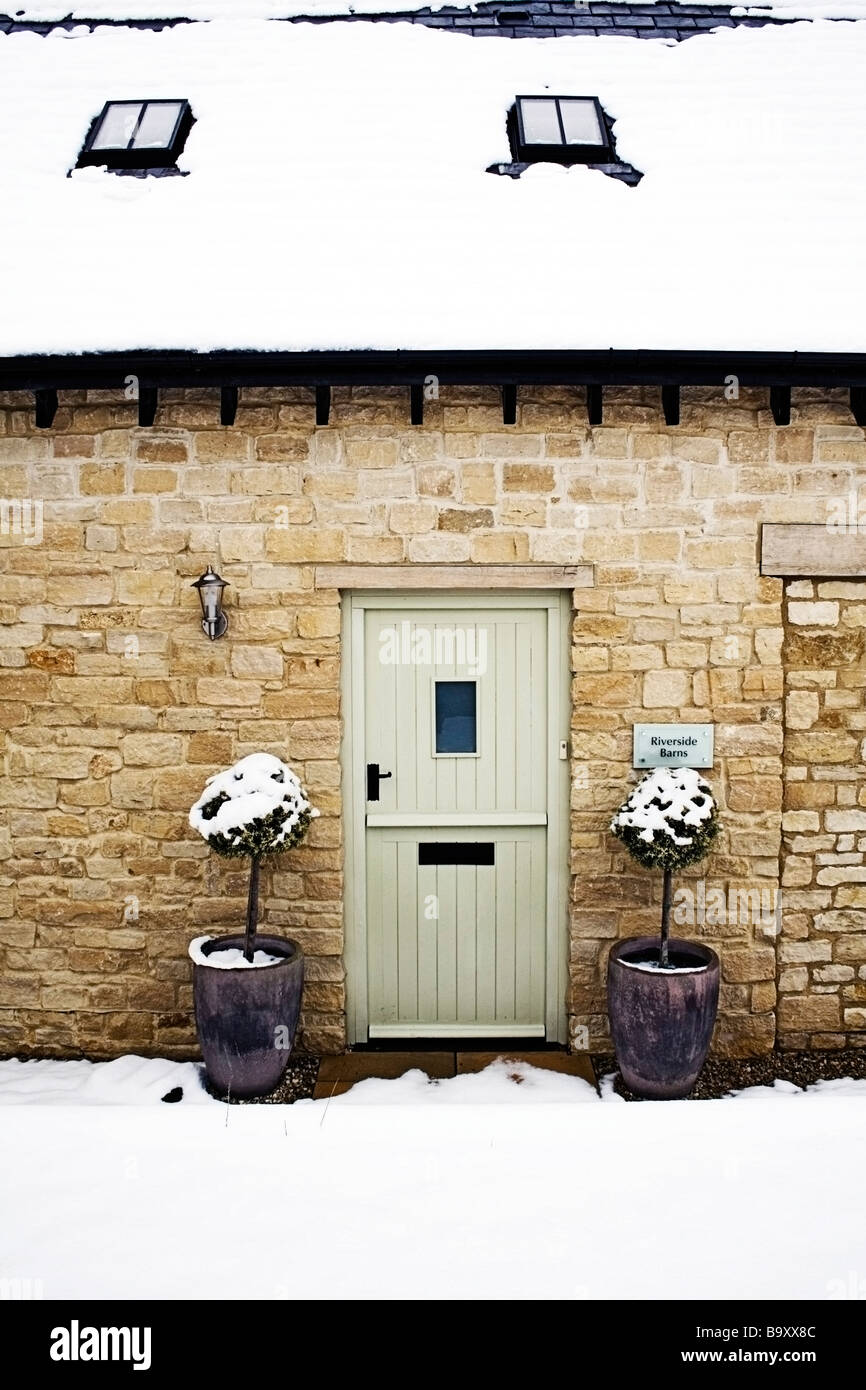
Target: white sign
(673,745)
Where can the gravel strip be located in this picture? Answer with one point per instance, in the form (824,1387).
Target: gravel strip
(721,1075)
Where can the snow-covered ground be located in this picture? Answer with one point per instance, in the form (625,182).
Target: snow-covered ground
(513,1183)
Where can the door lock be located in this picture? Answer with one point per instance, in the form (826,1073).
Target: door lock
(374,776)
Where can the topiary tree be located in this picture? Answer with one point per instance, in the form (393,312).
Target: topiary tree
(669,821)
(255,808)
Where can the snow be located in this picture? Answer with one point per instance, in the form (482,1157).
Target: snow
(125,1081)
(231,959)
(667,795)
(653,965)
(802,9)
(226,9)
(337,196)
(253,789)
(280,9)
(408,1188)
(501,1083)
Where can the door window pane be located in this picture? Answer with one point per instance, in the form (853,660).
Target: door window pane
(455,717)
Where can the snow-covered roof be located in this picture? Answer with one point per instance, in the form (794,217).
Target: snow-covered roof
(337,197)
(57,10)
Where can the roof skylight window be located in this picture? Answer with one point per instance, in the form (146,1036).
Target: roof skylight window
(138,134)
(566,130)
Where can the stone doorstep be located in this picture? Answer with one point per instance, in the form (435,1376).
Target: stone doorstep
(339,1074)
(323,1090)
(358,1066)
(571,1064)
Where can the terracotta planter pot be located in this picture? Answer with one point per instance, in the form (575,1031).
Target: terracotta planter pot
(661,1021)
(247,1019)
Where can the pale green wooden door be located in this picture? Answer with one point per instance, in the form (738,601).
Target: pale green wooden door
(456,710)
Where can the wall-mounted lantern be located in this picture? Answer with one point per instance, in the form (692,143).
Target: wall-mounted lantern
(210,591)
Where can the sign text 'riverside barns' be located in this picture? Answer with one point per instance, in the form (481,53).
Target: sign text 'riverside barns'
(673,745)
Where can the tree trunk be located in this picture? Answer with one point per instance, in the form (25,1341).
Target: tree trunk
(666,914)
(252,909)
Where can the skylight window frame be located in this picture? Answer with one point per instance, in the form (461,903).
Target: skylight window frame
(147,157)
(564,153)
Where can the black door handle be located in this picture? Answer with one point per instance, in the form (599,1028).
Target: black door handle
(374,776)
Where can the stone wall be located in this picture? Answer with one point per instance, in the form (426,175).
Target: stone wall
(822,952)
(115,707)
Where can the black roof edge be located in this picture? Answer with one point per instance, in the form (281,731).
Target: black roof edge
(610,367)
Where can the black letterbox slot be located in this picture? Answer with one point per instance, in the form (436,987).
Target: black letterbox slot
(456,852)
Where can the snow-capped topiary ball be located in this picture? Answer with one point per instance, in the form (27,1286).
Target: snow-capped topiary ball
(256,807)
(670,820)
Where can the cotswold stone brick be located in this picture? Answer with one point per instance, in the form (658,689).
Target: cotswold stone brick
(801,709)
(657,546)
(366,550)
(754,794)
(371,453)
(154,480)
(305,545)
(69,591)
(665,688)
(794,980)
(436,481)
(101,479)
(152,750)
(469,519)
(408,518)
(829,746)
(162,451)
(845,820)
(749,740)
(211,691)
(794,445)
(132,789)
(146,588)
(281,447)
(528,477)
(218,446)
(82,446)
(242,542)
(742,966)
(689,590)
(319,622)
(58,660)
(636,658)
(209,748)
(721,554)
(823,614)
(512,446)
(499,549)
(807,1013)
